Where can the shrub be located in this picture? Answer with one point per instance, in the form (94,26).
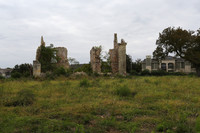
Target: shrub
(60,71)
(24,98)
(85,68)
(79,129)
(84,83)
(134,72)
(177,73)
(1,77)
(16,75)
(197,125)
(25,70)
(183,125)
(123,91)
(145,72)
(158,73)
(95,74)
(160,128)
(50,76)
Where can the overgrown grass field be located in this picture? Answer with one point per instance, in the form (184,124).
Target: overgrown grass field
(96,105)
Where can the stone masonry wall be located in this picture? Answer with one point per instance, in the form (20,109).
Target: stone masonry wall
(39,48)
(122,57)
(95,59)
(62,54)
(36,69)
(118,56)
(114,60)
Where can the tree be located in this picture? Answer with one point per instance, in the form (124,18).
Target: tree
(48,58)
(72,61)
(128,63)
(24,70)
(137,67)
(183,43)
(105,62)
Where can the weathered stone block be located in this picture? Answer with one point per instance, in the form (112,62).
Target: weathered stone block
(95,59)
(118,56)
(62,54)
(36,69)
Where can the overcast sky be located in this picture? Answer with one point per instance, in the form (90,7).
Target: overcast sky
(80,24)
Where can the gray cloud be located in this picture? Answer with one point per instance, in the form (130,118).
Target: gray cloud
(79,25)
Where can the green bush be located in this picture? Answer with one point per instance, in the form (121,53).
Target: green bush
(197,126)
(158,73)
(145,72)
(177,73)
(16,75)
(25,70)
(50,76)
(183,125)
(60,71)
(85,68)
(160,128)
(24,98)
(134,72)
(1,77)
(123,91)
(96,74)
(84,83)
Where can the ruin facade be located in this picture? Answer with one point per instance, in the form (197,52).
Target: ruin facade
(95,59)
(61,52)
(36,69)
(42,43)
(118,56)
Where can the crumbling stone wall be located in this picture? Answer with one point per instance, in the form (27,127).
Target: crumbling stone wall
(62,54)
(122,57)
(95,59)
(118,56)
(39,48)
(114,60)
(36,69)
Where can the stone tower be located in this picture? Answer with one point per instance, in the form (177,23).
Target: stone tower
(62,54)
(118,56)
(95,59)
(122,57)
(39,48)
(36,63)
(36,68)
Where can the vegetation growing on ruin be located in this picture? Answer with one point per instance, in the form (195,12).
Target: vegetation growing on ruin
(48,58)
(138,104)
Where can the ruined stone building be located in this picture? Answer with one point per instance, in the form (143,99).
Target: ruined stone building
(36,68)
(6,72)
(118,56)
(95,59)
(169,64)
(61,53)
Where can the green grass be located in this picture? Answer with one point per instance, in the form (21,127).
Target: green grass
(133,105)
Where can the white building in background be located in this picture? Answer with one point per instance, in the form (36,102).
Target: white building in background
(169,64)
(5,72)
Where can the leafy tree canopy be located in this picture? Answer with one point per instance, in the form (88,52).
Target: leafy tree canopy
(25,70)
(48,58)
(183,43)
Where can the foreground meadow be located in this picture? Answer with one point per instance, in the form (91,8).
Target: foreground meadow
(96,105)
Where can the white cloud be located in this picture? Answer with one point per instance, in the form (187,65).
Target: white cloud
(79,25)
